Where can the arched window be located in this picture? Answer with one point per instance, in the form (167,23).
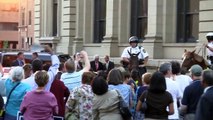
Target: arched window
(139,12)
(99,20)
(187,21)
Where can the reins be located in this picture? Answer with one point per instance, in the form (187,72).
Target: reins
(203,51)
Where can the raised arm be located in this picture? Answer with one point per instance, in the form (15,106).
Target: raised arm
(53,68)
(86,60)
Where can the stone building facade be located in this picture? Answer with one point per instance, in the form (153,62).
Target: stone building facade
(167,27)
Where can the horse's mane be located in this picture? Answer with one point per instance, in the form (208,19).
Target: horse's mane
(133,61)
(191,58)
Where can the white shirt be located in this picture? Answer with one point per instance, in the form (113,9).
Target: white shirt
(51,73)
(143,54)
(173,89)
(209,52)
(183,81)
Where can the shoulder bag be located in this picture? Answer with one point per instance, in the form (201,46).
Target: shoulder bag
(144,103)
(124,109)
(2,112)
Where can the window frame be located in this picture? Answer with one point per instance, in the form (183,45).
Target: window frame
(137,21)
(99,20)
(183,24)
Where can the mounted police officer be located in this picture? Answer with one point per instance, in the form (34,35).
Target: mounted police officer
(135,49)
(209,46)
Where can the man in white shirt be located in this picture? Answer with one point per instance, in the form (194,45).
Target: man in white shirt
(135,49)
(182,80)
(209,46)
(171,87)
(37,65)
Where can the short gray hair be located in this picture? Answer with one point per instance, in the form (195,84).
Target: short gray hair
(165,67)
(17,73)
(96,56)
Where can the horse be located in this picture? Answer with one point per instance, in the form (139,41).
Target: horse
(133,64)
(191,58)
(133,61)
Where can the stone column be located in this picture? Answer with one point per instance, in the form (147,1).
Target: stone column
(67,30)
(110,42)
(153,42)
(124,20)
(78,40)
(37,19)
(47,15)
(88,24)
(205,21)
(169,21)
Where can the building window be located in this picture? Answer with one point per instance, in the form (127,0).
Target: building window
(30,19)
(99,20)
(5,26)
(22,18)
(55,18)
(187,21)
(139,12)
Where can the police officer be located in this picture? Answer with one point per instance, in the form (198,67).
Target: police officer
(209,46)
(135,49)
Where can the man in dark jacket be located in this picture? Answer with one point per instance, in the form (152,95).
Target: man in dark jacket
(205,105)
(20,60)
(192,93)
(108,64)
(96,65)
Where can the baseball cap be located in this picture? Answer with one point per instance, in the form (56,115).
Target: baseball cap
(196,70)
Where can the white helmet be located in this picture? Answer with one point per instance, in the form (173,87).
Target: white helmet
(209,36)
(133,39)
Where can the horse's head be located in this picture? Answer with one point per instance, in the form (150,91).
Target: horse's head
(133,60)
(191,58)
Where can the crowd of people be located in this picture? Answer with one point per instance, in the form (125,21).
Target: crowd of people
(80,89)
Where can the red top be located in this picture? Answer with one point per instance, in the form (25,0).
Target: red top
(61,93)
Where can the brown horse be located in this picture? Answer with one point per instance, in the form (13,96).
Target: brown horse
(133,61)
(191,58)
